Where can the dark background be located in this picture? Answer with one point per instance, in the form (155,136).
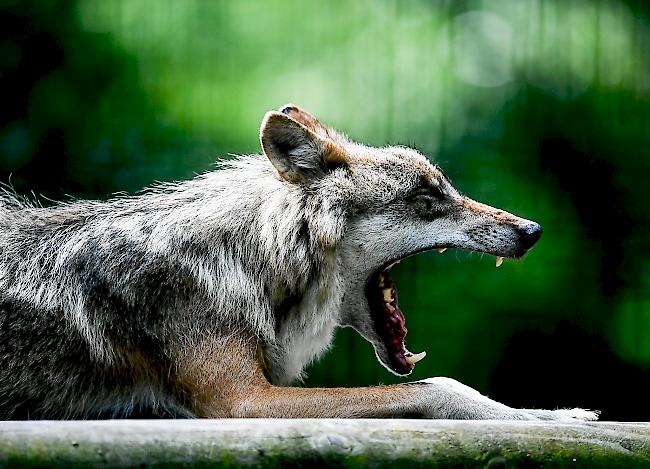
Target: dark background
(539,107)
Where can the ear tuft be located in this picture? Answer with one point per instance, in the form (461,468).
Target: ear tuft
(288,109)
(297,153)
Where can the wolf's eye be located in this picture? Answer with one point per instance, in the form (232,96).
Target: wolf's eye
(424,201)
(432,192)
(428,202)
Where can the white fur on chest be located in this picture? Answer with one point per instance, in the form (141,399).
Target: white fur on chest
(307,330)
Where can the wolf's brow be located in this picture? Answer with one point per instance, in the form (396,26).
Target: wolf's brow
(428,186)
(442,175)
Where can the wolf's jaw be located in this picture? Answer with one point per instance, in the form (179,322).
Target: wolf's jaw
(389,322)
(388,319)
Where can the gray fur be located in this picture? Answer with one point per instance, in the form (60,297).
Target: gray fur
(97,298)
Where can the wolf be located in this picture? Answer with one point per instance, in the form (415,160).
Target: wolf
(209,297)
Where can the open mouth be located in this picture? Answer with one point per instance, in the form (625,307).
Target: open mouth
(503,240)
(389,322)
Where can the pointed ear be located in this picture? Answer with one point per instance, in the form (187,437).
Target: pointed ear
(297,153)
(308,120)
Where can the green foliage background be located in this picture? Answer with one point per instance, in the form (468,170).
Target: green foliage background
(540,107)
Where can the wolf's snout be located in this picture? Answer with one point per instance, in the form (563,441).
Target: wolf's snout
(529,234)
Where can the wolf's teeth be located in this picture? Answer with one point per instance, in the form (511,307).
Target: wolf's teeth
(412,359)
(381,280)
(388,295)
(390,308)
(499,261)
(441,250)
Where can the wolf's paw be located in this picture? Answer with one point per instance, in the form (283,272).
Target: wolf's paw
(565,415)
(578,414)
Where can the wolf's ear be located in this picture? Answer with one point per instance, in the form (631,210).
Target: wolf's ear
(298,153)
(308,120)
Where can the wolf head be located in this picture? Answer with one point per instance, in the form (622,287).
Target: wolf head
(382,205)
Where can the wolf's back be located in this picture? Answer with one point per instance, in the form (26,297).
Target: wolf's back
(59,310)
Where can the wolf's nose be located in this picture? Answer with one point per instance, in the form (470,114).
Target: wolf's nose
(529,234)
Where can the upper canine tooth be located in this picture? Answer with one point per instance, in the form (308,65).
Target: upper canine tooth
(499,261)
(388,294)
(441,250)
(414,358)
(381,280)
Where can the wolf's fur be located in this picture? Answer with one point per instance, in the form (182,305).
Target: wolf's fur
(207,297)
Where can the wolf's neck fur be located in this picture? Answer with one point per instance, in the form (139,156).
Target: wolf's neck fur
(232,248)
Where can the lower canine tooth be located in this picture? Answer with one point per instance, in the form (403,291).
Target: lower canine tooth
(499,261)
(388,294)
(441,250)
(414,358)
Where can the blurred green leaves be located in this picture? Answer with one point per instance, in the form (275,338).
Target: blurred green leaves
(629,331)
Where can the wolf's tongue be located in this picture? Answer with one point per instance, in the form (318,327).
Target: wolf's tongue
(391,328)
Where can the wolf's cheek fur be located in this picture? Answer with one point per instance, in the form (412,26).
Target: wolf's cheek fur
(383,237)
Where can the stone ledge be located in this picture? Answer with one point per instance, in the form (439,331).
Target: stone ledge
(320,443)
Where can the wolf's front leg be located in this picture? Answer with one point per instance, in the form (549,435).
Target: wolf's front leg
(223,377)
(439,398)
